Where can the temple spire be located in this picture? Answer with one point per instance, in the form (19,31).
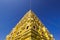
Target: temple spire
(30,28)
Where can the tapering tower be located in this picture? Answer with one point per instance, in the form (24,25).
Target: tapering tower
(29,28)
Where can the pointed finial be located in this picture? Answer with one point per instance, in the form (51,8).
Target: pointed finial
(30,13)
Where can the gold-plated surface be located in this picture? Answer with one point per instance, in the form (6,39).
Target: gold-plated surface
(29,28)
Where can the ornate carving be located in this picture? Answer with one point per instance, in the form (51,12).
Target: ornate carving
(30,28)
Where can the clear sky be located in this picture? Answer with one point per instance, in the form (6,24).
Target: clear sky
(11,11)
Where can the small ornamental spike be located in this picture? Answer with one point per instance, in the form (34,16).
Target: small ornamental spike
(29,28)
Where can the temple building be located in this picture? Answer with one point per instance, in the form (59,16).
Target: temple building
(29,28)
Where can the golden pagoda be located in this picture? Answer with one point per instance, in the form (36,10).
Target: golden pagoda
(29,28)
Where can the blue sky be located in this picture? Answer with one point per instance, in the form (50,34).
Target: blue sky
(11,11)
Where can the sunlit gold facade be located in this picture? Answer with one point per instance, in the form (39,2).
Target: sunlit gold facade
(29,28)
